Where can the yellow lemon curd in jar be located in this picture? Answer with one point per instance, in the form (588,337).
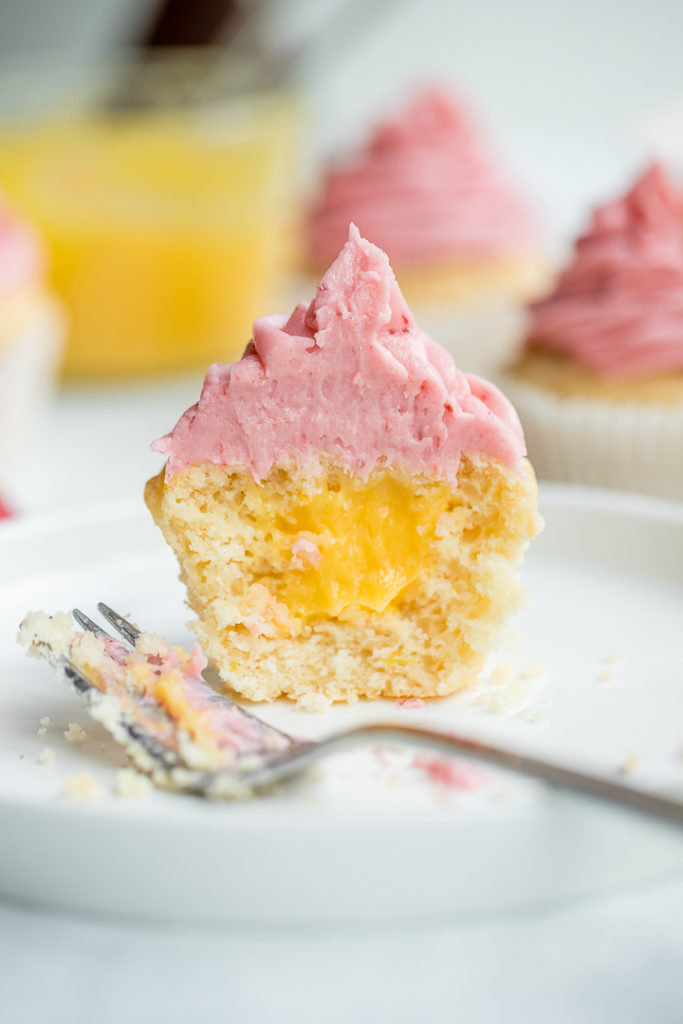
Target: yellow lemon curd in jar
(161,228)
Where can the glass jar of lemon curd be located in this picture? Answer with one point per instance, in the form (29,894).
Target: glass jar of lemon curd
(162,192)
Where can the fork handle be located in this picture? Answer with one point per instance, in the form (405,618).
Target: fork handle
(557,775)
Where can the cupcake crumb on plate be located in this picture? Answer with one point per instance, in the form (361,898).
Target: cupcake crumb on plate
(75,733)
(629,764)
(131,784)
(533,670)
(82,788)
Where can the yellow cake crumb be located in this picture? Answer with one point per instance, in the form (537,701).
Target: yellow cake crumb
(151,644)
(57,626)
(509,691)
(629,764)
(313,702)
(46,756)
(82,788)
(502,674)
(75,733)
(504,700)
(533,670)
(131,784)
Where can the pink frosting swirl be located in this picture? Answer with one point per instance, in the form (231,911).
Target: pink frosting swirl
(618,307)
(424,189)
(350,376)
(21,254)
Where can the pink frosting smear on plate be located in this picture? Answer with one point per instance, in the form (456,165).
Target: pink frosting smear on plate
(449,772)
(350,376)
(424,189)
(618,307)
(21,254)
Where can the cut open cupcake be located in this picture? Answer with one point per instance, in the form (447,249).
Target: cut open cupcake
(347,508)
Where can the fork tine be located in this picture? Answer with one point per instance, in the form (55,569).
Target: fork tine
(88,624)
(82,684)
(127,630)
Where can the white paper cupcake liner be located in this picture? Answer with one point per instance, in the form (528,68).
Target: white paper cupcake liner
(29,364)
(600,443)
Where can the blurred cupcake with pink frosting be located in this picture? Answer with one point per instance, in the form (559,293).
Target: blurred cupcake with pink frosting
(599,384)
(31,337)
(465,244)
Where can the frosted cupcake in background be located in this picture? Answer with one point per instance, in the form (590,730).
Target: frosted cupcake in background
(31,335)
(464,244)
(599,384)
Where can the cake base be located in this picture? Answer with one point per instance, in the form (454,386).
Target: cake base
(518,275)
(476,308)
(561,376)
(275,601)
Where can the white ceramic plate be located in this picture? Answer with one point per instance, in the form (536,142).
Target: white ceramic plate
(372,835)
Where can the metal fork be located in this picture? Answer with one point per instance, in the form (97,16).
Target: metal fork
(265,755)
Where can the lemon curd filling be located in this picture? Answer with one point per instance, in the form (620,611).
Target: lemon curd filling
(311,546)
(343,541)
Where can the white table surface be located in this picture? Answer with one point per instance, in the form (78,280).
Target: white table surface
(617,960)
(612,959)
